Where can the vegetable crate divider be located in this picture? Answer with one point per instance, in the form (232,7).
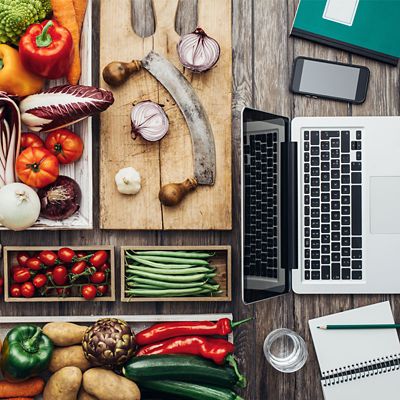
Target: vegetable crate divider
(10,253)
(222,261)
(80,171)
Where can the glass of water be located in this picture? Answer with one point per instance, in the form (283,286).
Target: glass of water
(285,350)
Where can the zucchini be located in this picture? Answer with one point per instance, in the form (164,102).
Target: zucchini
(182,368)
(191,391)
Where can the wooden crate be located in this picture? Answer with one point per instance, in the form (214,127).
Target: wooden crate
(222,261)
(10,254)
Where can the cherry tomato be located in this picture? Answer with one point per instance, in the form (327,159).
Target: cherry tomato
(81,254)
(34,264)
(89,292)
(63,292)
(27,289)
(22,258)
(22,275)
(49,272)
(105,267)
(15,290)
(66,255)
(48,258)
(60,275)
(15,268)
(98,258)
(102,290)
(98,277)
(79,267)
(39,280)
(30,140)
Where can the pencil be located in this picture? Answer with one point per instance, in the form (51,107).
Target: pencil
(363,326)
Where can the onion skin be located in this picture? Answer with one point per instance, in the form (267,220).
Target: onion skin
(198,52)
(61,199)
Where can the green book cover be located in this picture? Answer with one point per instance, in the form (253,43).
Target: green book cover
(367,27)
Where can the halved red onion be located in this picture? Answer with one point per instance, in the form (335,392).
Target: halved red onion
(197,51)
(149,120)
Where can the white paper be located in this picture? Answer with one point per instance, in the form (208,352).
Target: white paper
(341,11)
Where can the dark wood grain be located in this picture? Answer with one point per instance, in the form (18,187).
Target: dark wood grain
(262,63)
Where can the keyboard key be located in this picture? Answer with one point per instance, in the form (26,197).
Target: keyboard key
(315,171)
(315,254)
(358,145)
(315,264)
(315,223)
(325,176)
(307,221)
(335,163)
(325,166)
(315,244)
(335,205)
(356,254)
(345,189)
(335,184)
(306,135)
(335,246)
(336,236)
(307,275)
(345,179)
(315,275)
(345,210)
(315,233)
(346,200)
(314,151)
(335,194)
(346,231)
(325,249)
(345,251)
(356,275)
(314,161)
(335,226)
(345,241)
(315,213)
(345,220)
(335,174)
(325,156)
(306,167)
(315,202)
(314,138)
(335,143)
(358,156)
(306,178)
(356,210)
(355,177)
(315,192)
(356,264)
(326,259)
(314,181)
(335,153)
(306,146)
(325,187)
(345,169)
(335,215)
(325,197)
(354,145)
(335,256)
(325,228)
(306,242)
(325,218)
(307,232)
(346,262)
(345,158)
(358,135)
(307,264)
(345,141)
(356,243)
(335,268)
(346,273)
(325,207)
(325,272)
(325,239)
(356,166)
(324,145)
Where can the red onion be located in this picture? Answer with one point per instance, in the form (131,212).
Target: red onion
(197,51)
(61,199)
(149,121)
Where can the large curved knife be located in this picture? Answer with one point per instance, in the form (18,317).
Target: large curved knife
(203,145)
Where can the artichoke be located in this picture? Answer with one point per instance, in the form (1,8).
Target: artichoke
(109,343)
(17,15)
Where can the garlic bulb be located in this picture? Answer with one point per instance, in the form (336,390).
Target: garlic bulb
(128,181)
(149,120)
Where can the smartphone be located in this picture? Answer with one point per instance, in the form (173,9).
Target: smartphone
(330,80)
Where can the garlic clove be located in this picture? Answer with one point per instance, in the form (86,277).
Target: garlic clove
(128,181)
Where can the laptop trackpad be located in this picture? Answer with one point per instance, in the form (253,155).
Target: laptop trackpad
(385,204)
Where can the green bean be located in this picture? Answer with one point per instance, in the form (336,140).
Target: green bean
(163,293)
(141,286)
(181,254)
(172,260)
(167,285)
(169,278)
(158,265)
(186,271)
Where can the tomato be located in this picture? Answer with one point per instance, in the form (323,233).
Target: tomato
(34,264)
(22,258)
(104,268)
(16,268)
(60,275)
(89,292)
(30,140)
(63,292)
(80,254)
(48,258)
(39,280)
(66,255)
(49,272)
(65,145)
(98,258)
(22,275)
(37,167)
(27,289)
(102,290)
(79,267)
(15,290)
(98,277)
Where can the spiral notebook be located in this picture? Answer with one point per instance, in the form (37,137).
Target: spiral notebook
(358,364)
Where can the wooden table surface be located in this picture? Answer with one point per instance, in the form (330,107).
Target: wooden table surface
(263,55)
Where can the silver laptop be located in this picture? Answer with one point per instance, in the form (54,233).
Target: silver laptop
(320,205)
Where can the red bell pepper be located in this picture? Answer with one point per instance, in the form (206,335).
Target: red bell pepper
(46,49)
(163,331)
(217,350)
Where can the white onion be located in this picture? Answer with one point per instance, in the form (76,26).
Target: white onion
(19,206)
(197,51)
(149,121)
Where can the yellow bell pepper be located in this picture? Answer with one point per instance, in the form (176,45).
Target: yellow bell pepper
(14,78)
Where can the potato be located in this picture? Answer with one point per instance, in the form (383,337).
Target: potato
(71,356)
(64,384)
(64,333)
(82,395)
(107,385)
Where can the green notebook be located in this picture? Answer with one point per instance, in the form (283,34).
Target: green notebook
(366,27)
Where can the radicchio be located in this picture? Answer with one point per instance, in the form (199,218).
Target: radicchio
(10,137)
(61,106)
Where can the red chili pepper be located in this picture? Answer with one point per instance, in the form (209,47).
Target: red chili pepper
(46,49)
(163,331)
(217,350)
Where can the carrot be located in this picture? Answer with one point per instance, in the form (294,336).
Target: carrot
(65,14)
(29,388)
(80,11)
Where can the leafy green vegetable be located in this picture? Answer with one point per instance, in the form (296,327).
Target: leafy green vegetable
(17,15)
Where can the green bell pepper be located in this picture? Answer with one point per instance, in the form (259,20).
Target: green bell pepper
(26,353)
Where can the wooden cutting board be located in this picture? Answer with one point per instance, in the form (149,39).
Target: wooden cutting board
(170,160)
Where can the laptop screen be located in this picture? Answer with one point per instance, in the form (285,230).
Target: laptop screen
(263,275)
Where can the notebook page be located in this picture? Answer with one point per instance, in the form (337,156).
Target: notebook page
(340,348)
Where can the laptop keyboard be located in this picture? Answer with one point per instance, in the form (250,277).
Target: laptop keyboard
(332,204)
(261,213)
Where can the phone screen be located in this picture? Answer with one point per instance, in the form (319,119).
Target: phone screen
(328,79)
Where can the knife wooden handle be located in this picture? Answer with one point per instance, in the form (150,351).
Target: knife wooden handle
(173,193)
(118,72)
